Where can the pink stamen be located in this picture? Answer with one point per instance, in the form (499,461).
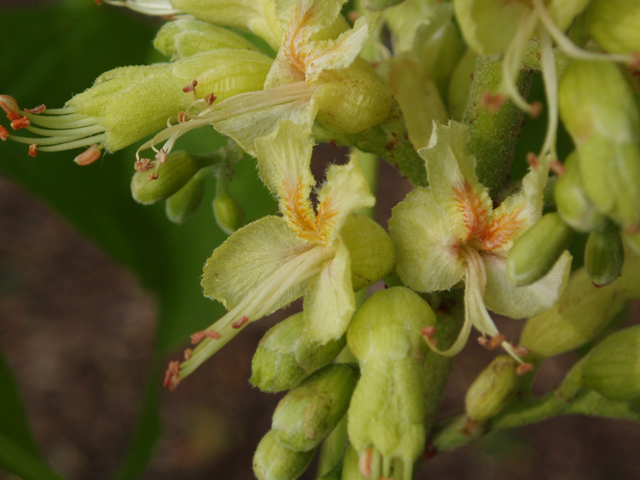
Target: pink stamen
(187,354)
(89,156)
(241,322)
(428,334)
(191,87)
(524,368)
(558,168)
(39,109)
(172,376)
(520,351)
(152,177)
(492,344)
(209,99)
(33,150)
(536,108)
(532,160)
(199,336)
(161,156)
(143,165)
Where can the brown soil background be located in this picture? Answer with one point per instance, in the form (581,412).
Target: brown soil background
(77,330)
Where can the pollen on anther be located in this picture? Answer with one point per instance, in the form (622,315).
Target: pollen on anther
(172,376)
(39,109)
(143,165)
(10,106)
(21,122)
(89,156)
(209,99)
(201,335)
(524,368)
(33,150)
(153,176)
(492,344)
(4,133)
(191,87)
(161,156)
(187,354)
(182,117)
(241,322)
(520,351)
(532,160)
(428,334)
(535,110)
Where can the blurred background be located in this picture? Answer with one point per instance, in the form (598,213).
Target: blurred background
(81,314)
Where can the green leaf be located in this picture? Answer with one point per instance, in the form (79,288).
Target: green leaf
(63,52)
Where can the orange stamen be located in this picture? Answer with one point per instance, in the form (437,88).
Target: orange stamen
(89,156)
(524,368)
(241,322)
(20,122)
(172,376)
(39,109)
(33,150)
(199,336)
(4,133)
(10,106)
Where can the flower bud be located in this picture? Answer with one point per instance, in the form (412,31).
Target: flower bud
(612,367)
(228,213)
(460,84)
(286,356)
(614,24)
(536,252)
(184,203)
(186,36)
(258,17)
(353,99)
(492,389)
(388,405)
(580,315)
(273,461)
(309,412)
(604,255)
(370,250)
(173,174)
(574,206)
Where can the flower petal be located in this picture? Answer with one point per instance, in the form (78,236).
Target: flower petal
(345,190)
(427,252)
(502,297)
(451,171)
(329,301)
(284,159)
(248,257)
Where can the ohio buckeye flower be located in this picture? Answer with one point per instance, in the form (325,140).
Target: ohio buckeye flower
(271,262)
(450,232)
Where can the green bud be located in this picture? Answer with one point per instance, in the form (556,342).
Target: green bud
(310,411)
(286,356)
(612,367)
(255,16)
(272,461)
(460,84)
(535,253)
(353,100)
(186,36)
(574,206)
(184,203)
(604,255)
(388,405)
(370,250)
(580,315)
(492,389)
(173,174)
(614,24)
(228,213)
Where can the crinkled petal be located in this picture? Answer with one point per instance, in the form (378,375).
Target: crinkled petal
(329,301)
(427,252)
(451,171)
(504,298)
(248,257)
(284,159)
(252,115)
(518,212)
(345,190)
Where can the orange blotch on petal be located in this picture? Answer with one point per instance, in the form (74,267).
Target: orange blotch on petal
(470,206)
(502,229)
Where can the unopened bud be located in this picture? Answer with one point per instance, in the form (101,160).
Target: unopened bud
(173,174)
(535,253)
(287,355)
(574,206)
(370,250)
(460,85)
(604,255)
(387,408)
(310,411)
(228,213)
(614,24)
(186,36)
(355,101)
(273,461)
(492,389)
(184,203)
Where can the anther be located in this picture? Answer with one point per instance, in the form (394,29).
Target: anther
(535,109)
(20,122)
(89,156)
(352,16)
(428,334)
(524,368)
(161,156)
(4,133)
(187,354)
(143,165)
(492,344)
(10,106)
(172,376)
(492,101)
(532,160)
(558,168)
(209,99)
(182,117)
(153,176)
(39,109)
(364,463)
(33,150)
(634,60)
(201,335)
(520,351)
(241,322)
(191,87)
